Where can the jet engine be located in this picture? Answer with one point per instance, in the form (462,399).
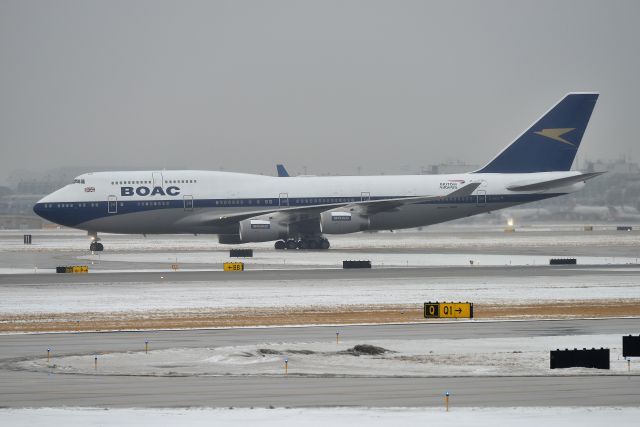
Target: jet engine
(342,222)
(262,229)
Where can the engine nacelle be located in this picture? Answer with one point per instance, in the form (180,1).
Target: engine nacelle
(262,230)
(342,222)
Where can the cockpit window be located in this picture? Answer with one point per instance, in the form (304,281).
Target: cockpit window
(78,181)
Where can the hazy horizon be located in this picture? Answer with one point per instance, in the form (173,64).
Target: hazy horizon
(319,86)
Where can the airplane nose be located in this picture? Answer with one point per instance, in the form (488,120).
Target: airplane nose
(45,208)
(37,208)
(57,208)
(40,210)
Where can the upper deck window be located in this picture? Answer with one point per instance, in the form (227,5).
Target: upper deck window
(78,181)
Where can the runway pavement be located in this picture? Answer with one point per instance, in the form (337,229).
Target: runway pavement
(34,389)
(323,274)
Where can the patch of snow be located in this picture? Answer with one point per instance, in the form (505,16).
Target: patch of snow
(513,356)
(280,417)
(166,294)
(334,258)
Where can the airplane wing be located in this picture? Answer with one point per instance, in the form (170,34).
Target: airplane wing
(367,207)
(554,183)
(370,207)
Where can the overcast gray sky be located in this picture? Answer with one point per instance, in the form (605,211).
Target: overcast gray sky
(331,85)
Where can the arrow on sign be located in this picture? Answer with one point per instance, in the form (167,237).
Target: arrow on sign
(459,311)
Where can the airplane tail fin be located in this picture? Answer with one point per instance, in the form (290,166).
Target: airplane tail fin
(551,143)
(282,172)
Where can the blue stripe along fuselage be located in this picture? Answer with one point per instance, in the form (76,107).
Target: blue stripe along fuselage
(73,213)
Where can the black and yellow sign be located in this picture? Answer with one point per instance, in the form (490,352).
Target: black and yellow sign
(448,310)
(73,269)
(233,266)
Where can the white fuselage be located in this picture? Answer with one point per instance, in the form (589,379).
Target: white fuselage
(186,201)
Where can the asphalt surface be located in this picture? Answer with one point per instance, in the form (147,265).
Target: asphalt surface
(323,274)
(34,389)
(19,388)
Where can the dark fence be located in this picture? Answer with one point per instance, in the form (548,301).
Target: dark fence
(27,239)
(585,358)
(563,261)
(356,264)
(630,346)
(241,253)
(624,228)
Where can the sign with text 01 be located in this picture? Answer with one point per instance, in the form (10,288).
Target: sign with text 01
(448,310)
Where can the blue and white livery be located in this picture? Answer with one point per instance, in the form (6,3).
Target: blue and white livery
(299,212)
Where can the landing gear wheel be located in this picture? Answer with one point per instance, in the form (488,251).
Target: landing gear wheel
(301,244)
(280,244)
(96,247)
(324,244)
(291,244)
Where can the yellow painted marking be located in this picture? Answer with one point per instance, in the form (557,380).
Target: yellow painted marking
(556,134)
(233,266)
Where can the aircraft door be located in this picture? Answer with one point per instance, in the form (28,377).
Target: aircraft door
(365,195)
(481,198)
(157,179)
(112,205)
(188,203)
(283,199)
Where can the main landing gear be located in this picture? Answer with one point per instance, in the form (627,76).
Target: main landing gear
(95,245)
(302,244)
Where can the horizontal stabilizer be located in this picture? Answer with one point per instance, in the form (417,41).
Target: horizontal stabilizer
(554,183)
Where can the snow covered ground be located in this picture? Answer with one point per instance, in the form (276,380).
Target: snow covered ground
(281,417)
(447,237)
(334,258)
(438,246)
(408,248)
(524,356)
(167,295)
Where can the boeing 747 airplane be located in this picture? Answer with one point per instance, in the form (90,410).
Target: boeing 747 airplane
(299,212)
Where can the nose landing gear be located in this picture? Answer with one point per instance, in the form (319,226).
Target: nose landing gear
(95,245)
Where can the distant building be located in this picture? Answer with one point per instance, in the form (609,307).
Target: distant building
(449,168)
(620,166)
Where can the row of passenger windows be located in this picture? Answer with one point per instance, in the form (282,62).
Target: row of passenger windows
(129,182)
(284,202)
(241,202)
(153,204)
(474,198)
(329,200)
(168,181)
(70,205)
